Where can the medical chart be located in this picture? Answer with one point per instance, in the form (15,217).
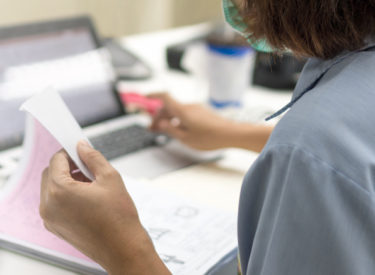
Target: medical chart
(190,238)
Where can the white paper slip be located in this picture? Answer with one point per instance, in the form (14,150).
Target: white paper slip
(51,111)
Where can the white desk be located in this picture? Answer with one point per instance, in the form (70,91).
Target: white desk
(199,182)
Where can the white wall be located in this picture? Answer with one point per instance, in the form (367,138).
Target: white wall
(114,17)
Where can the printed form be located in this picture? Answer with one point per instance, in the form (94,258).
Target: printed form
(190,238)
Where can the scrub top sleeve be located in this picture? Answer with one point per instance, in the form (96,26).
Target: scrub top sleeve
(299,215)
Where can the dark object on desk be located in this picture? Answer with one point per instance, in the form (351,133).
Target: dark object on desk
(277,72)
(175,53)
(127,66)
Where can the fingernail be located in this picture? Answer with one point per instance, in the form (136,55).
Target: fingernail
(176,122)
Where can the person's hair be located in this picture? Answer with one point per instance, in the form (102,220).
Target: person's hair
(311,28)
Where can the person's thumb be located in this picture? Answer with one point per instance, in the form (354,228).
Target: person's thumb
(92,158)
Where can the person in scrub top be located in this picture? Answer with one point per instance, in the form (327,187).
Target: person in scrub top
(307,204)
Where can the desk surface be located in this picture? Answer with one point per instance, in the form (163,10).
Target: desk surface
(224,176)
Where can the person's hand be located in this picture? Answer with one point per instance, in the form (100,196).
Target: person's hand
(98,218)
(192,124)
(202,129)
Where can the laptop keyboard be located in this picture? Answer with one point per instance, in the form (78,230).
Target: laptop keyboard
(124,141)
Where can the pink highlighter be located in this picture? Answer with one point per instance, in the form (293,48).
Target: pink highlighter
(135,100)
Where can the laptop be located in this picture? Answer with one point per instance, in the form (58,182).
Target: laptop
(123,138)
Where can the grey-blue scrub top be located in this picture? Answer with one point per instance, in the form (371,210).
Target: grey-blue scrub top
(307,204)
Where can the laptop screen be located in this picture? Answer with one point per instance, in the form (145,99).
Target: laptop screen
(60,58)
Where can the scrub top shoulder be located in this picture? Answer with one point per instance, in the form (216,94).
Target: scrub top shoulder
(307,204)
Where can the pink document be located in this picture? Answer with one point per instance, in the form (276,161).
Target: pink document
(21,228)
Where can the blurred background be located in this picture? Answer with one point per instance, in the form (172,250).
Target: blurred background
(115,18)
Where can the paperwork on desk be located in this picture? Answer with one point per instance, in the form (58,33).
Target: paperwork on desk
(190,238)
